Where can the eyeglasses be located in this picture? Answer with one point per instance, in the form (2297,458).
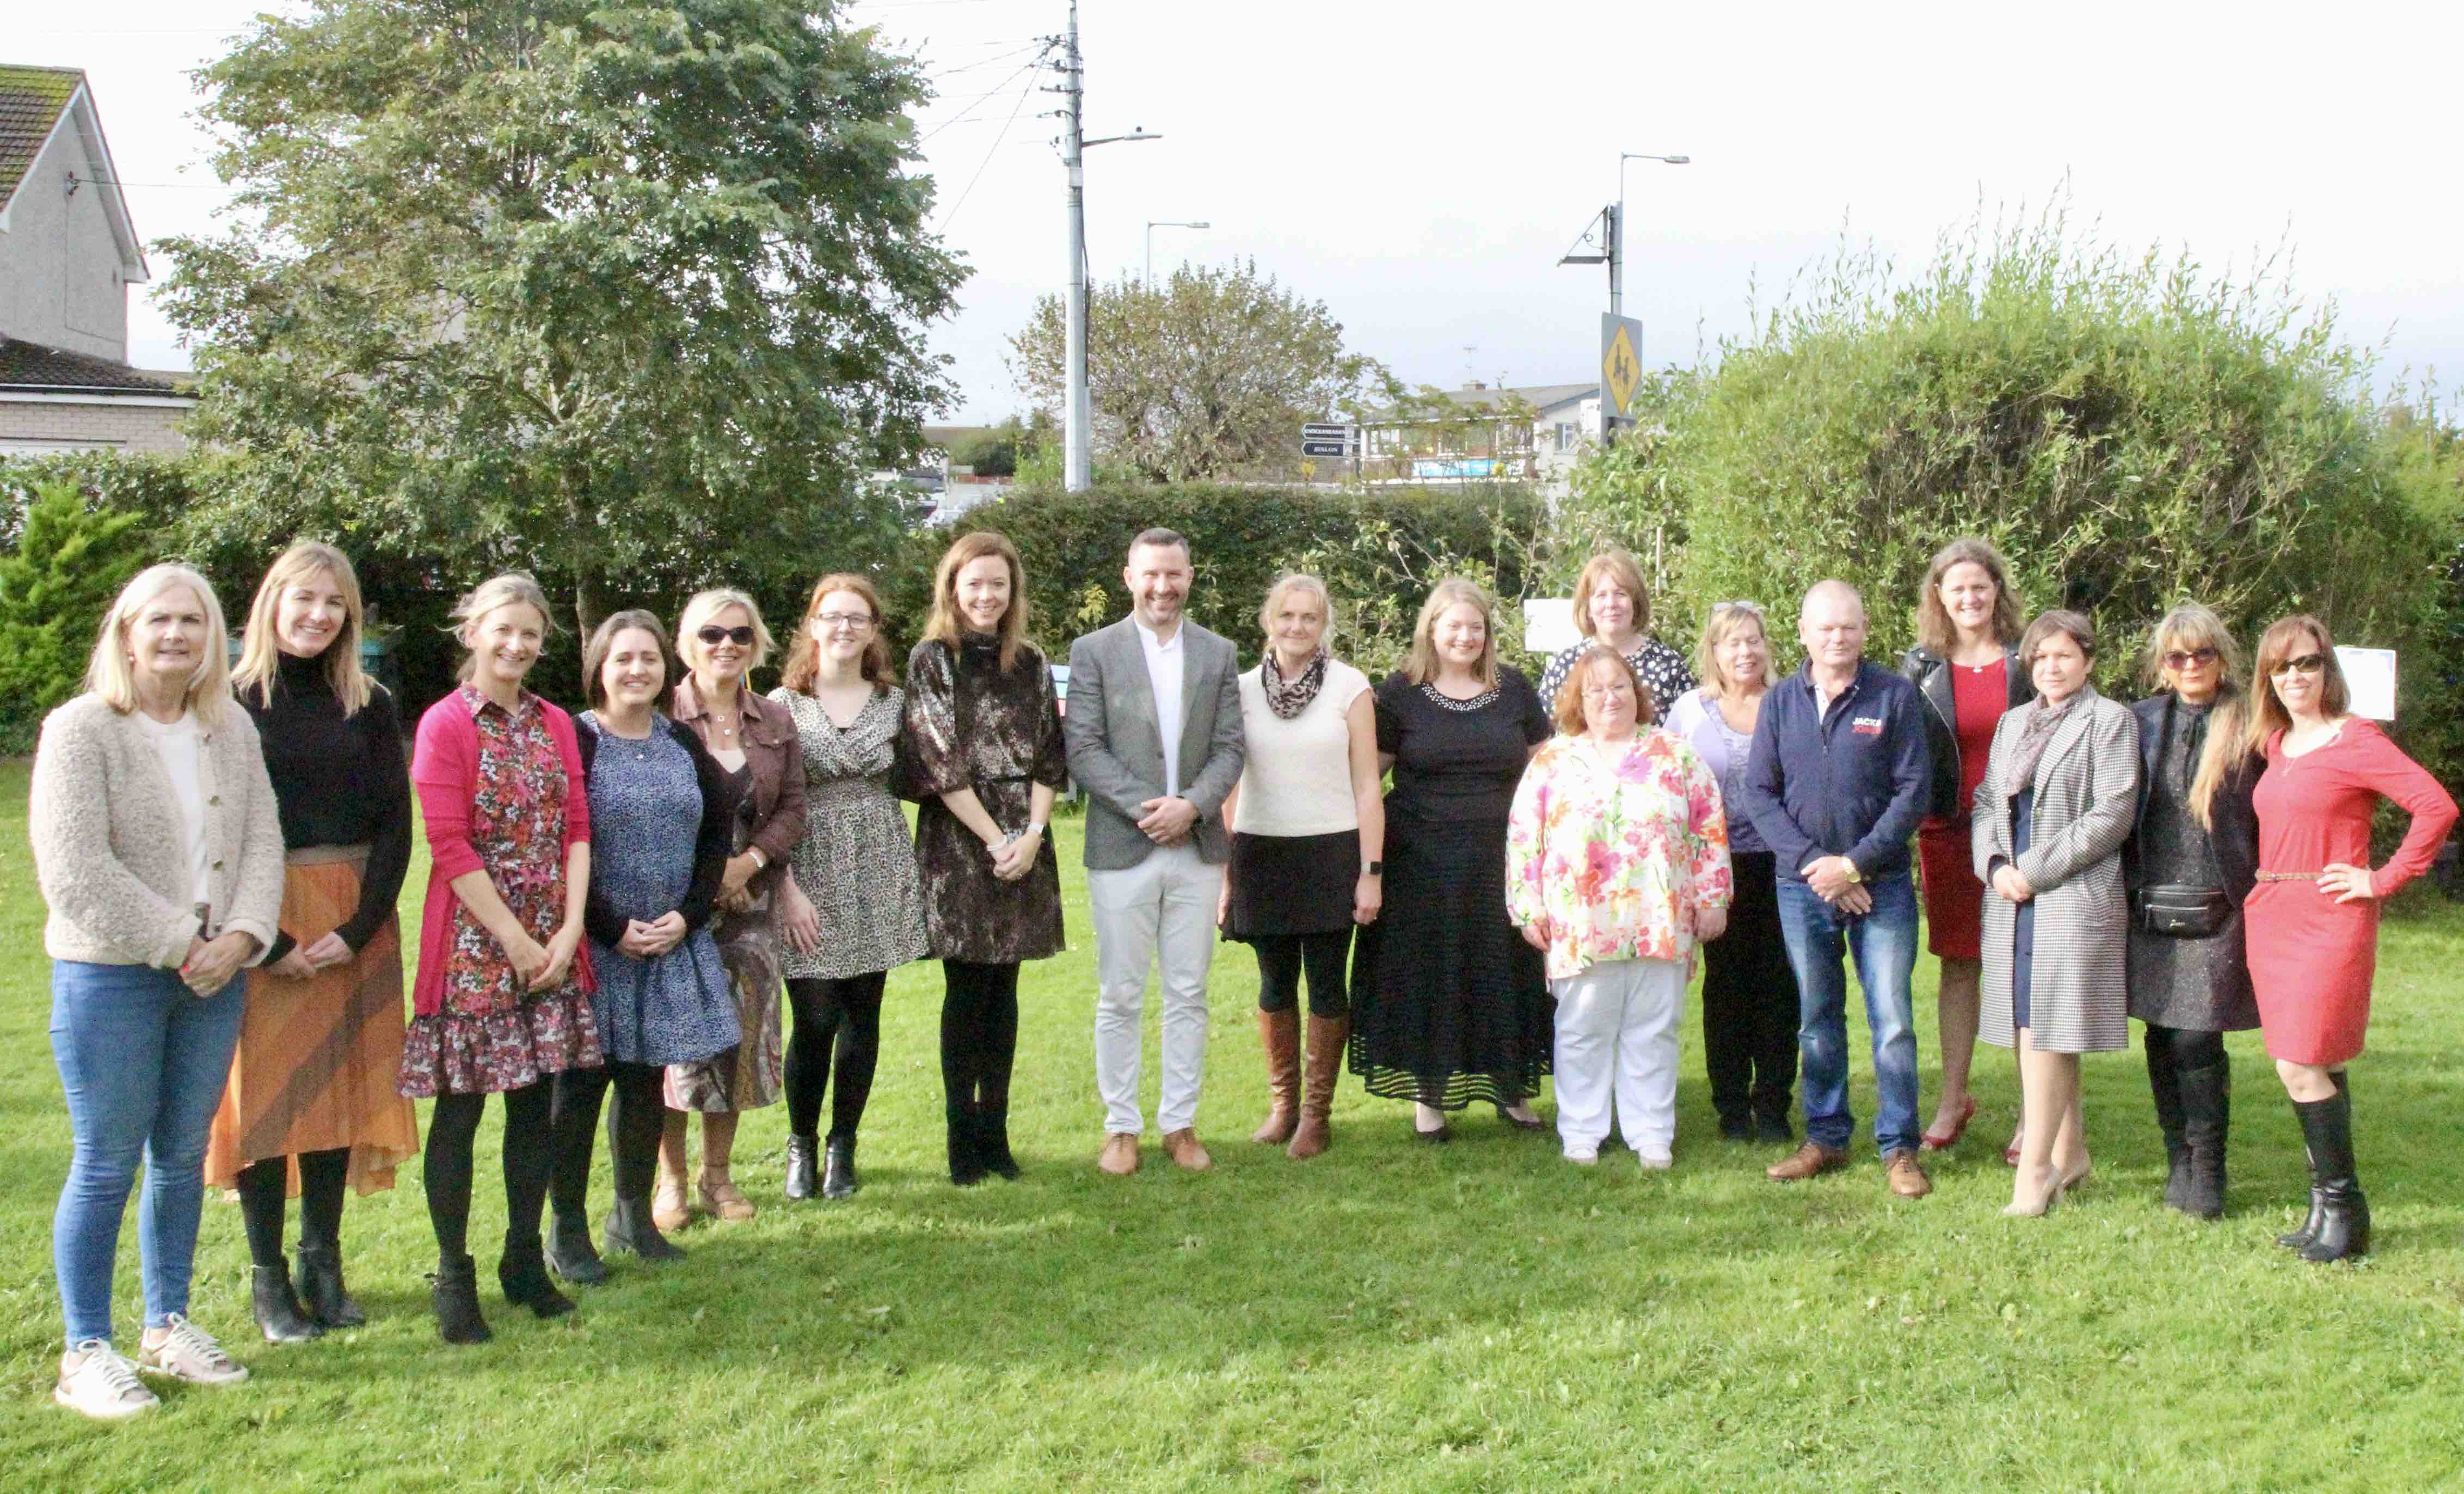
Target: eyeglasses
(852,622)
(713,634)
(2177,659)
(2307,665)
(1607,692)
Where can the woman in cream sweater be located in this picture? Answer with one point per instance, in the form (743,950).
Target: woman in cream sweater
(160,854)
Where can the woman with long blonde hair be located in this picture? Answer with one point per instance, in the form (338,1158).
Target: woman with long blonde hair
(312,1104)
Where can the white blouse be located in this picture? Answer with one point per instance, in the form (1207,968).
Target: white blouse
(1296,779)
(181,745)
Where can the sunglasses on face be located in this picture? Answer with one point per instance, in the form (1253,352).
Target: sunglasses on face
(713,634)
(2307,665)
(2177,659)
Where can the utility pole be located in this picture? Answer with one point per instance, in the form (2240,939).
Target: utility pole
(1078,430)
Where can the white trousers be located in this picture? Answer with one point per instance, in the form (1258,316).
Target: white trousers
(1616,1036)
(1160,913)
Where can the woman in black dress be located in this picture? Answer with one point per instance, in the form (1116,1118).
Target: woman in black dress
(982,735)
(1449,1005)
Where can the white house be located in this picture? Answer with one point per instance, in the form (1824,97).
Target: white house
(1410,446)
(67,254)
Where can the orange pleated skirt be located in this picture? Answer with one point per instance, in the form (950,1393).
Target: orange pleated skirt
(318,1058)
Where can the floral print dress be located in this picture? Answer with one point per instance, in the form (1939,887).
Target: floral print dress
(493,1033)
(1616,849)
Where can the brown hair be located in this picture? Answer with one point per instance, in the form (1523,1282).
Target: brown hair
(805,655)
(2268,715)
(260,651)
(1935,631)
(514,588)
(1611,565)
(1567,708)
(1420,665)
(603,643)
(946,625)
(1163,538)
(2071,624)
(1716,628)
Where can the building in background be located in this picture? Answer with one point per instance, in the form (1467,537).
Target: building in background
(1483,433)
(67,254)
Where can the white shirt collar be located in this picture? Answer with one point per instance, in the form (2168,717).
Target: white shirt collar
(1155,643)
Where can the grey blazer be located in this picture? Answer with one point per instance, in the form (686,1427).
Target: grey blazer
(1116,753)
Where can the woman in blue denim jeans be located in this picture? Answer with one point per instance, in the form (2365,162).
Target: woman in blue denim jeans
(158,849)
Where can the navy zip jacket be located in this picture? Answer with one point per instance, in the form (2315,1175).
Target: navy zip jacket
(1853,781)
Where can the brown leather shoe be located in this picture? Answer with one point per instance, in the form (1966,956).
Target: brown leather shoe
(1810,1160)
(1120,1155)
(1312,1135)
(1279,1033)
(1906,1176)
(1183,1148)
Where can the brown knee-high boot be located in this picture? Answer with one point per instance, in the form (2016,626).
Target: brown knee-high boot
(1280,1032)
(1326,1040)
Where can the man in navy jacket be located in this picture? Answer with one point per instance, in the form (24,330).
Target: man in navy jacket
(1836,781)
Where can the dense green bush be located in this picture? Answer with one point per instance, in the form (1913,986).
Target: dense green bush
(68,561)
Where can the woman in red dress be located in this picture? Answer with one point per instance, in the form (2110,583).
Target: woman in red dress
(2313,919)
(1965,666)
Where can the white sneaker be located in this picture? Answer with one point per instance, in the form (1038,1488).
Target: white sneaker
(1583,1156)
(188,1353)
(1656,1161)
(96,1382)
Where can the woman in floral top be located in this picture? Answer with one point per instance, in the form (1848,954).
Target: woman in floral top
(1617,864)
(502,1002)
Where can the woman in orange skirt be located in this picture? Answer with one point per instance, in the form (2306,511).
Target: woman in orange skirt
(2312,922)
(312,1106)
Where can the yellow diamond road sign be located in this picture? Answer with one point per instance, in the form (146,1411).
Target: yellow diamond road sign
(1620,365)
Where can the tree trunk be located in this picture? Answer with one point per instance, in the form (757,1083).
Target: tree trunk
(590,572)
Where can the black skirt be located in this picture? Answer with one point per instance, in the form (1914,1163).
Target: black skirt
(1449,1006)
(1292,884)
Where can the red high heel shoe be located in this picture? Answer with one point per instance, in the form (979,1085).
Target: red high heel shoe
(1932,1141)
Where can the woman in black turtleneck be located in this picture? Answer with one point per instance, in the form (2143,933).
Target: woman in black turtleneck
(312,1104)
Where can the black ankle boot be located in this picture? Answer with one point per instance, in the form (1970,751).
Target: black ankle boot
(454,1291)
(837,1168)
(2300,1239)
(569,1251)
(2165,1084)
(991,1139)
(799,1166)
(277,1311)
(522,1272)
(320,1287)
(630,1228)
(966,1167)
(2207,1106)
(2343,1213)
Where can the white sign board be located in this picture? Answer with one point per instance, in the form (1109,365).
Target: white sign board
(2370,673)
(1549,625)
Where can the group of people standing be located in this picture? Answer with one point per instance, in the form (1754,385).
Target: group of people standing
(617,900)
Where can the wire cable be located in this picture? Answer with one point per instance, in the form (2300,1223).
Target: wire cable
(1015,110)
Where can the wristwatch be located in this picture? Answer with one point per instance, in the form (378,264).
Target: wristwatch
(1376,868)
(1853,875)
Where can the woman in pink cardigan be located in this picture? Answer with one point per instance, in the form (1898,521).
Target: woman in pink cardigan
(502,1000)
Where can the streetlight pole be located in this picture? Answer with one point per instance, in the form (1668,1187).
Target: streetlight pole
(1153,224)
(1078,442)
(1617,227)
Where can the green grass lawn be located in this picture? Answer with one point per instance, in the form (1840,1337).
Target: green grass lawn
(1479,1316)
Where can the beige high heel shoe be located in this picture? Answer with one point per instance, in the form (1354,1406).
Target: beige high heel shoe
(2055,1183)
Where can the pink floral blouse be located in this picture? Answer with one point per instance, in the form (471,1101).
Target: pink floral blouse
(1612,851)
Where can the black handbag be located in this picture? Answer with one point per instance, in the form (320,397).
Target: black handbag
(2179,912)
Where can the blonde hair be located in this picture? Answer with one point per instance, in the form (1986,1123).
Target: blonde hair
(111,674)
(1716,628)
(260,651)
(1420,666)
(710,603)
(1298,581)
(1936,632)
(805,655)
(514,588)
(1568,708)
(945,626)
(2195,627)
(1611,565)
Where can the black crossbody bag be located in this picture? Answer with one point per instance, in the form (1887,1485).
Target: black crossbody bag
(2179,910)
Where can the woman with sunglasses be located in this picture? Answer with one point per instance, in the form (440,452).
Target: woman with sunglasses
(2312,918)
(2187,864)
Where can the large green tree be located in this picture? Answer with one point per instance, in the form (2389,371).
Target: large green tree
(631,293)
(1207,376)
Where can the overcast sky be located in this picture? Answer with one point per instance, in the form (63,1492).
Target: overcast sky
(1421,166)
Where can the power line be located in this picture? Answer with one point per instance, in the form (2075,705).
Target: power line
(1026,68)
(1015,110)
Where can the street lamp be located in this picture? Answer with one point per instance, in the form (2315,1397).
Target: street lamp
(1616,235)
(1153,224)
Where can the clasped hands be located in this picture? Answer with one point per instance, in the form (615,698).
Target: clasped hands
(1168,819)
(542,967)
(211,963)
(1015,856)
(1833,880)
(304,959)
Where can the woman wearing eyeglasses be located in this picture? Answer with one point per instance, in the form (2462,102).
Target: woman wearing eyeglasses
(2312,918)
(2187,864)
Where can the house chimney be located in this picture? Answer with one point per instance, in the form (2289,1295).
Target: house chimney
(1475,384)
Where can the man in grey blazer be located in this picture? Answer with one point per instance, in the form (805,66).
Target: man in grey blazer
(1153,732)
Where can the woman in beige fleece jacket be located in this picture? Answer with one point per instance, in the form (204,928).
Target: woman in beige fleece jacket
(159,851)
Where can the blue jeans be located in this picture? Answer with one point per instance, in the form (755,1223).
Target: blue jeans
(143,1061)
(1884,945)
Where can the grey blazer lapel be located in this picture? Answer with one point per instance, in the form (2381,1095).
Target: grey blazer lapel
(2068,736)
(1128,663)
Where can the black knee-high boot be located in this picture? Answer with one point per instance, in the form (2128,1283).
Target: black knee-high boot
(2343,1213)
(2300,1239)
(579,1094)
(2165,1084)
(2207,1114)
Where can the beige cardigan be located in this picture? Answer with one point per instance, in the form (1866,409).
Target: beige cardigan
(110,846)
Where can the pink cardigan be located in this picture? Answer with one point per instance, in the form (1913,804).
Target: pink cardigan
(445,768)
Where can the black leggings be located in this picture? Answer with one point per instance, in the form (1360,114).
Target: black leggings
(2187,1048)
(1281,959)
(529,1151)
(262,1184)
(633,1123)
(1750,1008)
(979,1035)
(844,1015)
